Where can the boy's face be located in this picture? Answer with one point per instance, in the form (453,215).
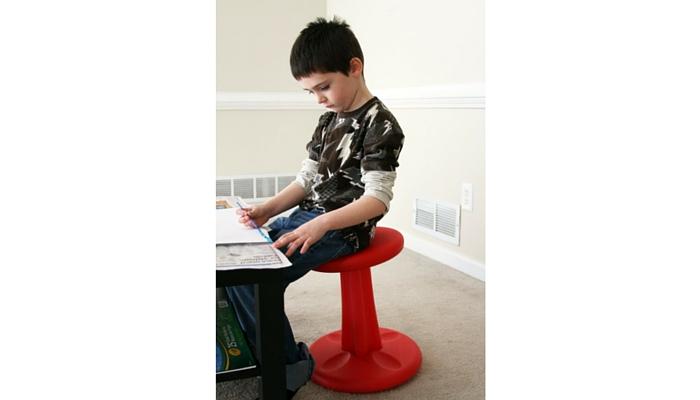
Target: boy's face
(334,90)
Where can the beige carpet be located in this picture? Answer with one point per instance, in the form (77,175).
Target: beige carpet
(440,308)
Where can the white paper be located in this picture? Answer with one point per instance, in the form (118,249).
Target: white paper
(229,230)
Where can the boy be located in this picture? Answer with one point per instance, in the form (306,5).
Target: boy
(345,185)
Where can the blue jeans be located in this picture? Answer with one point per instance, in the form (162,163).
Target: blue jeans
(332,245)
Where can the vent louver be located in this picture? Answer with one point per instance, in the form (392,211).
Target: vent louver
(223,187)
(265,186)
(439,219)
(446,220)
(424,214)
(253,188)
(243,188)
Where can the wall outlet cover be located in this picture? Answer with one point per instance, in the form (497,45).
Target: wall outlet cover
(467,196)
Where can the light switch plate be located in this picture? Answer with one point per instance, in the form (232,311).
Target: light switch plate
(467,196)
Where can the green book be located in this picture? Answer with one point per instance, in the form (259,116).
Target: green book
(232,351)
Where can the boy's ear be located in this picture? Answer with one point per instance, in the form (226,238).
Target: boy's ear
(356,66)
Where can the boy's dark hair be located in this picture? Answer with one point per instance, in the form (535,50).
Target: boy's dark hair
(324,46)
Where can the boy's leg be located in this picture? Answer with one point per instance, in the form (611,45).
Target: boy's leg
(300,364)
(330,246)
(243,299)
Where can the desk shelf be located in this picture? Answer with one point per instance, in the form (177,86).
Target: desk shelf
(241,373)
(269,315)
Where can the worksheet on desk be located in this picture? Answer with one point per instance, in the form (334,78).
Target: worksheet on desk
(249,255)
(241,246)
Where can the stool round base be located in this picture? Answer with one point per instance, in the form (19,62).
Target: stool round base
(396,362)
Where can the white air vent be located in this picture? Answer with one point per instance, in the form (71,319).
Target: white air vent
(253,188)
(424,214)
(439,219)
(446,218)
(244,188)
(265,186)
(223,187)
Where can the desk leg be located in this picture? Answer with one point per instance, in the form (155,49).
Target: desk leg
(270,306)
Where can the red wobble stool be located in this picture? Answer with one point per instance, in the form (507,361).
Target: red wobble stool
(362,357)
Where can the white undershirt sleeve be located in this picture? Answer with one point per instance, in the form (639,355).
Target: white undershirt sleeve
(306,175)
(379,184)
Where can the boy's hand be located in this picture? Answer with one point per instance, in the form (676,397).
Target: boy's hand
(302,237)
(253,217)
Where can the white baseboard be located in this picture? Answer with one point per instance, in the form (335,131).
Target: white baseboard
(451,259)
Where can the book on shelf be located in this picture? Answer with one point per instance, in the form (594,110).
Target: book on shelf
(232,351)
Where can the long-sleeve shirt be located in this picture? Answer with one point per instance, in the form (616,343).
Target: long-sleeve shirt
(350,155)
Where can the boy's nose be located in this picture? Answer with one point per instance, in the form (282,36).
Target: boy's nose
(321,99)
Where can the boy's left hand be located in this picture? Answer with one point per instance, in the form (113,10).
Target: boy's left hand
(302,237)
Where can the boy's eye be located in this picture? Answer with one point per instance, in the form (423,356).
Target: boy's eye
(322,88)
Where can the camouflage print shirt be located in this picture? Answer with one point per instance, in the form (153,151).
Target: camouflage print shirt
(353,154)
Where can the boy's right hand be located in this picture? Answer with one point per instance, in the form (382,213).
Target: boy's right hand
(255,216)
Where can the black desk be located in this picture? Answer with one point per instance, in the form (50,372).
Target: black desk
(269,341)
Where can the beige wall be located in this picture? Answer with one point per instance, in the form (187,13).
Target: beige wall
(411,44)
(417,43)
(406,44)
(436,159)
(253,41)
(263,141)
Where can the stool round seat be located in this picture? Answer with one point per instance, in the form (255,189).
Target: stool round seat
(385,245)
(361,357)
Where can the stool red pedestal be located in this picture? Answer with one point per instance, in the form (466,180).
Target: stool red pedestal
(361,357)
